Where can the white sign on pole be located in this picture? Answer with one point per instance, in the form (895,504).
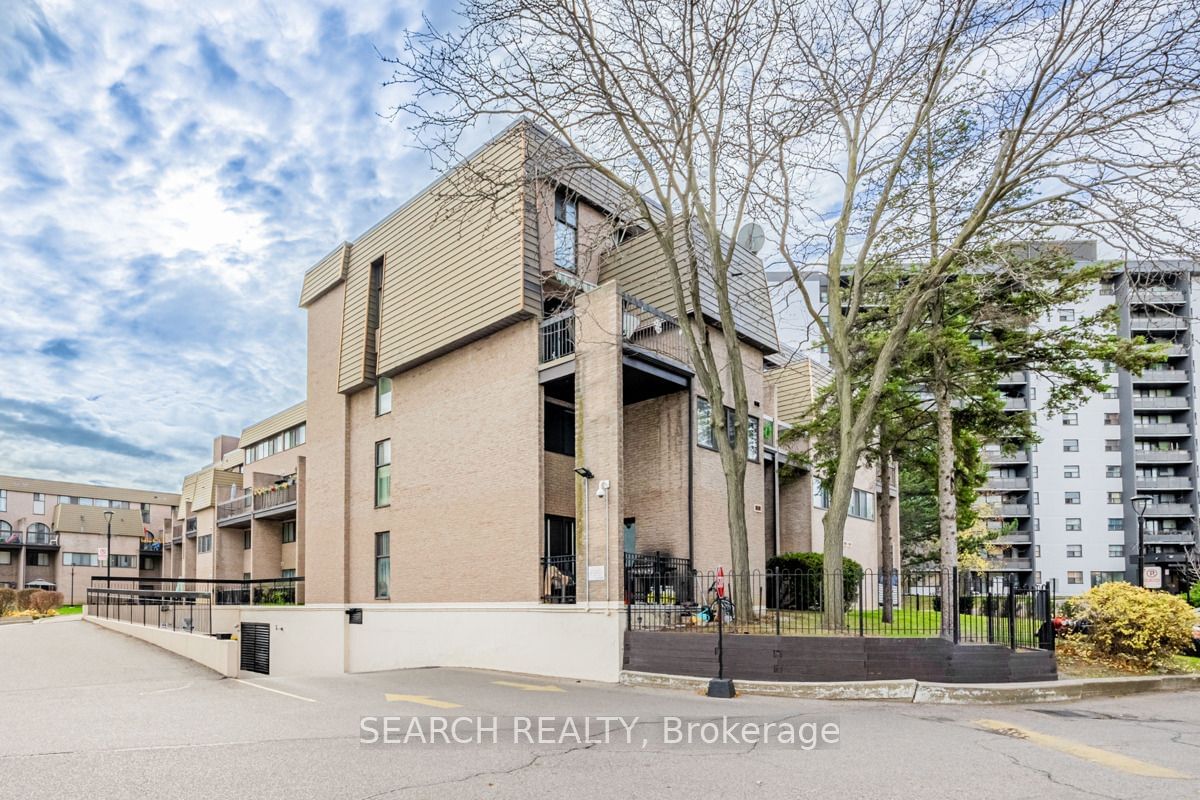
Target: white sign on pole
(1152,577)
(103,553)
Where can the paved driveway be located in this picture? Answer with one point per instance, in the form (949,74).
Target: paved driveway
(85,712)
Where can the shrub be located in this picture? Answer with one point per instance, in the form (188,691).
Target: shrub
(8,601)
(24,596)
(44,602)
(1193,595)
(1127,622)
(802,576)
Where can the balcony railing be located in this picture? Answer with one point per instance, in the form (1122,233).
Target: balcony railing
(10,538)
(265,591)
(1144,323)
(1015,404)
(1161,376)
(1162,429)
(1170,537)
(1165,482)
(557,337)
(1014,510)
(645,327)
(239,506)
(44,539)
(1013,378)
(151,546)
(1007,484)
(1162,456)
(275,496)
(994,457)
(190,528)
(1167,403)
(1169,510)
(1155,297)
(1010,564)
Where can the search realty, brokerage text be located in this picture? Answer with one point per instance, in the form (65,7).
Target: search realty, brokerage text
(598,730)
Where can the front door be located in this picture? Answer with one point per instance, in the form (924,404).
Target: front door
(558,561)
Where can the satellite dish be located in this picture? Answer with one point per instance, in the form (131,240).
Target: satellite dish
(752,237)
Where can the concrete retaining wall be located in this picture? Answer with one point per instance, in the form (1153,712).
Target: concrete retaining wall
(216,654)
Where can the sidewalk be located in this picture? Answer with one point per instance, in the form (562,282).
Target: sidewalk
(912,691)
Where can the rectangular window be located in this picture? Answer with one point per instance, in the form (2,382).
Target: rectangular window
(1074,524)
(81,560)
(3,500)
(246,540)
(1116,524)
(1112,471)
(123,561)
(1070,445)
(39,503)
(1112,418)
(383,566)
(1071,498)
(145,513)
(1106,577)
(1074,551)
(1037,523)
(566,234)
(1037,498)
(5,558)
(820,494)
(1066,315)
(1075,577)
(1070,470)
(752,439)
(1035,472)
(288,573)
(1112,445)
(862,504)
(288,531)
(1070,419)
(149,562)
(704,424)
(560,429)
(37,558)
(383,396)
(1116,551)
(1114,498)
(1037,551)
(383,473)
(204,543)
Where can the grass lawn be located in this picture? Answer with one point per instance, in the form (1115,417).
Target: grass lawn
(64,610)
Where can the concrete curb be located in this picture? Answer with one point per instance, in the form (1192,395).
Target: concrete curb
(15,620)
(912,691)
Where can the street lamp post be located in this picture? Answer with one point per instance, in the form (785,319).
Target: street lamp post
(1139,503)
(108,515)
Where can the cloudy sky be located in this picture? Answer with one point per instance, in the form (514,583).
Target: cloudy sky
(167,173)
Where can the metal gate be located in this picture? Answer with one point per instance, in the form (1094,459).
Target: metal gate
(256,647)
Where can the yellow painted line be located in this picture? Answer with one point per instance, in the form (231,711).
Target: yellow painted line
(1094,754)
(276,691)
(530,687)
(420,700)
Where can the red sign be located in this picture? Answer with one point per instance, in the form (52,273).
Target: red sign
(720,581)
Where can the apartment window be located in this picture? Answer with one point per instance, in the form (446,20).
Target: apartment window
(820,494)
(1037,498)
(288,532)
(126,562)
(1114,498)
(560,429)
(704,424)
(383,566)
(1070,445)
(1112,471)
(1071,498)
(383,473)
(383,396)
(145,513)
(246,540)
(862,504)
(752,438)
(1110,394)
(822,292)
(1112,445)
(204,544)
(1074,524)
(81,560)
(1074,551)
(1112,418)
(1066,315)
(288,573)
(1037,551)
(1075,576)
(37,558)
(1035,472)
(3,500)
(5,558)
(566,233)
(1107,577)
(1116,551)
(1116,524)
(286,440)
(1070,470)
(1037,523)
(39,503)
(1070,419)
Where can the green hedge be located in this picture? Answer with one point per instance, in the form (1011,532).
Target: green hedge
(802,578)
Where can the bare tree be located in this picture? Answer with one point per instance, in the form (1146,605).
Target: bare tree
(667,101)
(1074,117)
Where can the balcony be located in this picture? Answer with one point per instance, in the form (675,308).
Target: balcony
(1007,484)
(645,328)
(232,512)
(1163,403)
(1015,404)
(1161,376)
(1180,456)
(151,546)
(277,500)
(1013,379)
(1169,510)
(1163,429)
(1014,537)
(10,540)
(1010,564)
(177,532)
(1170,537)
(996,457)
(1157,323)
(41,539)
(1155,297)
(557,337)
(190,528)
(1014,509)
(1165,482)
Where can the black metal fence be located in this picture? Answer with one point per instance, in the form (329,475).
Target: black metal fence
(992,608)
(261,592)
(189,612)
(558,579)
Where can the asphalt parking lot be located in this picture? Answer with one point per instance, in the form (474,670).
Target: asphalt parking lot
(91,713)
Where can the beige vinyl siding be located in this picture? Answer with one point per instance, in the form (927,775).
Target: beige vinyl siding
(352,372)
(202,488)
(13,483)
(325,274)
(288,418)
(639,269)
(90,519)
(796,386)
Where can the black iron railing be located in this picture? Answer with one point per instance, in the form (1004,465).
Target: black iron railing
(260,592)
(557,337)
(558,579)
(983,608)
(188,612)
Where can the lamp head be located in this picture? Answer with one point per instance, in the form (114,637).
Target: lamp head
(584,473)
(108,515)
(1139,503)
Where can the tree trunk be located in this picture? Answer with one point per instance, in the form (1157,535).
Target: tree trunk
(947,500)
(832,600)
(738,582)
(886,563)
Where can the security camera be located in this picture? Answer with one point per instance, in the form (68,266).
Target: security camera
(603,488)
